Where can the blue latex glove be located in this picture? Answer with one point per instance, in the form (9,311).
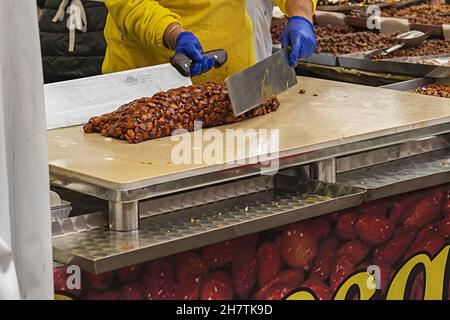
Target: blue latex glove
(189,45)
(300,37)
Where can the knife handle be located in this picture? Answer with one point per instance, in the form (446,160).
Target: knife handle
(220,57)
(182,63)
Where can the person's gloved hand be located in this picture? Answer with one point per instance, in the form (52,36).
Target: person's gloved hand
(188,44)
(299,36)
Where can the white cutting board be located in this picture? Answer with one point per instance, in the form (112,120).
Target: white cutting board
(73,102)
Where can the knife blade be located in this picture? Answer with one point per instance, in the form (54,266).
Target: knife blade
(261,82)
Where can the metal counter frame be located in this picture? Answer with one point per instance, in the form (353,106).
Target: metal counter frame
(188,220)
(124,213)
(95,243)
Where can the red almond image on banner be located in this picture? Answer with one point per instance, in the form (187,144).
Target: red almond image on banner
(378,207)
(250,241)
(317,255)
(386,273)
(431,243)
(345,225)
(290,279)
(298,246)
(220,254)
(417,289)
(99,282)
(331,217)
(392,251)
(190,265)
(445,208)
(425,211)
(159,280)
(444,226)
(374,229)
(269,262)
(131,273)
(278,292)
(217,286)
(245,271)
(320,289)
(132,291)
(342,268)
(111,295)
(355,249)
(327,253)
(401,208)
(425,232)
(188,289)
(438,193)
(320,227)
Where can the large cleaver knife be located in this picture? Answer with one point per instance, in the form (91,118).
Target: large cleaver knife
(260,82)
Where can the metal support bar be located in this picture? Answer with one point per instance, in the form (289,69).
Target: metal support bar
(123,216)
(324,170)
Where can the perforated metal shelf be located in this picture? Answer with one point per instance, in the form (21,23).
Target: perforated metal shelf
(400,176)
(97,249)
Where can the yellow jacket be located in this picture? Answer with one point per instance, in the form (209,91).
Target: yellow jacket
(134,32)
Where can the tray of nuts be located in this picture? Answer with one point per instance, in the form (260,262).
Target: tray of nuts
(334,41)
(416,61)
(439,65)
(423,17)
(329,40)
(426,86)
(423,14)
(347,6)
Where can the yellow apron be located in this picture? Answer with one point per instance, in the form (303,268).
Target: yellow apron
(135,28)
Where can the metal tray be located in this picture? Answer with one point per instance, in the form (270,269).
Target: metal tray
(405,66)
(433,29)
(361,22)
(344,8)
(435,71)
(401,176)
(367,78)
(411,85)
(98,250)
(348,8)
(61,211)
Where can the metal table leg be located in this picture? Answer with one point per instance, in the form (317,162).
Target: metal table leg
(324,170)
(123,216)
